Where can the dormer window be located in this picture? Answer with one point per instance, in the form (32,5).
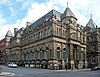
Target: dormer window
(46,19)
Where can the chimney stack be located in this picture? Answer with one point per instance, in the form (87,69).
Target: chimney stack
(15,31)
(27,24)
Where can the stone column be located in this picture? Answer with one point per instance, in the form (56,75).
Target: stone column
(85,57)
(61,52)
(85,53)
(71,52)
(78,55)
(71,56)
(62,60)
(78,52)
(53,60)
(53,52)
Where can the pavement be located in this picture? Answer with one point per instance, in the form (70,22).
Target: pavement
(72,70)
(3,74)
(79,70)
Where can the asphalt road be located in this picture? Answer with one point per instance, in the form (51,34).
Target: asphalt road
(33,72)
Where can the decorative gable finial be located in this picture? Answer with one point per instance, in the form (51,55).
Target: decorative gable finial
(91,16)
(67,4)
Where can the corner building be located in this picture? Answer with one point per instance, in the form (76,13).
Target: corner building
(55,41)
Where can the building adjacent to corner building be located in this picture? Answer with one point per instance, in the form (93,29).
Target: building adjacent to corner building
(3,44)
(54,41)
(93,43)
(2,51)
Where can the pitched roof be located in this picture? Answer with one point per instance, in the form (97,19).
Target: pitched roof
(45,18)
(67,13)
(91,24)
(9,33)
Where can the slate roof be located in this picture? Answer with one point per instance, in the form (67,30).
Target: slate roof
(9,34)
(46,17)
(20,31)
(67,13)
(50,14)
(91,24)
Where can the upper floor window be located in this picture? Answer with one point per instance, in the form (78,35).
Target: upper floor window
(58,52)
(49,31)
(63,32)
(38,36)
(44,32)
(57,31)
(41,34)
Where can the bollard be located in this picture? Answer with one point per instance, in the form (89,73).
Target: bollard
(0,69)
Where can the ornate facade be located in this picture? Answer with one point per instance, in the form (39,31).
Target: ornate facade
(54,41)
(3,44)
(93,44)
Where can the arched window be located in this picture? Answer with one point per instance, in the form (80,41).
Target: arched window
(35,55)
(49,31)
(41,34)
(48,53)
(27,56)
(46,32)
(58,52)
(30,55)
(41,54)
(57,31)
(81,55)
(64,54)
(24,56)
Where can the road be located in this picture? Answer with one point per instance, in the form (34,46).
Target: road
(34,72)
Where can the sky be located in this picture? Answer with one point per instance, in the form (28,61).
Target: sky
(15,13)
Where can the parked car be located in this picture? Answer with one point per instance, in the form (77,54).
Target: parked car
(13,65)
(96,68)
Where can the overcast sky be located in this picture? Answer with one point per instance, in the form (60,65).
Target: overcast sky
(15,13)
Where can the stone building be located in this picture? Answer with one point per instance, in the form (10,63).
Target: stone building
(93,43)
(2,51)
(3,44)
(55,41)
